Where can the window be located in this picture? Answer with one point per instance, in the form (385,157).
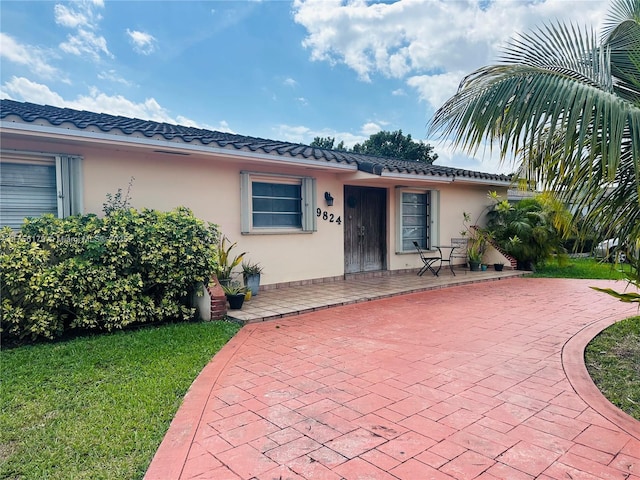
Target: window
(35,184)
(275,203)
(416,219)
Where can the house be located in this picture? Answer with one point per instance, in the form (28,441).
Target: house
(305,214)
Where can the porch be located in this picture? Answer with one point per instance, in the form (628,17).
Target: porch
(283,301)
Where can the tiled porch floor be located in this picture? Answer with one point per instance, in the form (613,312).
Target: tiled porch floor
(294,300)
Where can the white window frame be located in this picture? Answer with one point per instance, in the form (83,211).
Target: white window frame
(433,216)
(68,175)
(308,202)
(69,185)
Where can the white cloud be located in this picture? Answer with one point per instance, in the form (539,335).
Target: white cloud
(143,42)
(112,76)
(84,19)
(418,40)
(290,82)
(295,134)
(302,101)
(82,13)
(305,135)
(436,89)
(222,126)
(399,92)
(86,42)
(34,58)
(68,17)
(23,89)
(484,160)
(370,128)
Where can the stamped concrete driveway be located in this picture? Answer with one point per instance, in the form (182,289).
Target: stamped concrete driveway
(481,381)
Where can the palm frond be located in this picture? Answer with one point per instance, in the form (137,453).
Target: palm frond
(569,108)
(624,45)
(620,11)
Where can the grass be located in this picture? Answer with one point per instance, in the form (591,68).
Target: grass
(97,407)
(581,268)
(613,361)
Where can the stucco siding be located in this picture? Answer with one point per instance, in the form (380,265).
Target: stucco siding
(212,190)
(210,186)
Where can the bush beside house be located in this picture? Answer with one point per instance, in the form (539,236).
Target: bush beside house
(91,273)
(531,230)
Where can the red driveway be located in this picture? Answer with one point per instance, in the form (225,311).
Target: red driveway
(480,381)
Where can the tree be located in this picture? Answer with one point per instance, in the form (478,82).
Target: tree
(323,142)
(568,105)
(396,145)
(384,144)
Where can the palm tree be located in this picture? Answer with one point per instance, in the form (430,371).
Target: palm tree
(567,104)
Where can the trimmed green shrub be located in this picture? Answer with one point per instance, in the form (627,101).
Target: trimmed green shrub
(85,272)
(531,230)
(32,295)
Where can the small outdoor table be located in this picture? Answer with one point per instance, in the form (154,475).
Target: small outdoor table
(429,262)
(448,258)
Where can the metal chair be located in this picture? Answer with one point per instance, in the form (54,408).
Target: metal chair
(428,261)
(460,252)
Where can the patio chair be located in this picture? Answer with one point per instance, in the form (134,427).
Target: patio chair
(428,261)
(460,252)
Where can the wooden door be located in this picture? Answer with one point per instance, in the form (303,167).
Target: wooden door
(365,216)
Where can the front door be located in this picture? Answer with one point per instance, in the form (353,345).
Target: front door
(364,229)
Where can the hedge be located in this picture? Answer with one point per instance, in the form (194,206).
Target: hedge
(91,273)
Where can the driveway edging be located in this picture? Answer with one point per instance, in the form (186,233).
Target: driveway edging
(576,371)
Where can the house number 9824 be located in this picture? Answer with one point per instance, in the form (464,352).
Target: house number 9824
(328,217)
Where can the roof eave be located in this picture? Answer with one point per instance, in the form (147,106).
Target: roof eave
(105,138)
(483,181)
(446,179)
(415,176)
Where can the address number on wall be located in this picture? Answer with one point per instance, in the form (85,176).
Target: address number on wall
(328,217)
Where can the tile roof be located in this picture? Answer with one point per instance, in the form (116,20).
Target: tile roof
(30,112)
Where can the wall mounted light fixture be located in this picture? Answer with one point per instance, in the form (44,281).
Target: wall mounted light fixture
(329,199)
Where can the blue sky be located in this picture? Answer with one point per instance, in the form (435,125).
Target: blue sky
(273,69)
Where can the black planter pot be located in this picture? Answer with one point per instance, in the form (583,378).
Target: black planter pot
(474,266)
(235,301)
(498,267)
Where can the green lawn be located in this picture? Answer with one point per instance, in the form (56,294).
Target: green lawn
(581,268)
(613,361)
(97,407)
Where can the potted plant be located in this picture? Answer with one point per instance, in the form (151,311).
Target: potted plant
(476,243)
(251,275)
(226,263)
(235,294)
(475,251)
